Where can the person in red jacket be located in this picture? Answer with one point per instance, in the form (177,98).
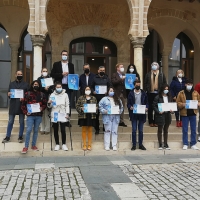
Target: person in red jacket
(197,88)
(33,105)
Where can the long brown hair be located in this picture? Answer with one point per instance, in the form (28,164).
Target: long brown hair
(115,97)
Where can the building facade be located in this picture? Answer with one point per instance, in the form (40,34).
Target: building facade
(100,32)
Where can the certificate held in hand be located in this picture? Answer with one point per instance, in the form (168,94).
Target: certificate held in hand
(16,93)
(129,81)
(139,109)
(165,107)
(191,104)
(73,81)
(46,82)
(33,108)
(100,89)
(59,117)
(89,108)
(113,110)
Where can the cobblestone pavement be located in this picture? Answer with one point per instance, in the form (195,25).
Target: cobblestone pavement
(166,181)
(41,184)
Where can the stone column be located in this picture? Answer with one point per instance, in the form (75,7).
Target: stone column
(38,41)
(165,64)
(138,43)
(14,58)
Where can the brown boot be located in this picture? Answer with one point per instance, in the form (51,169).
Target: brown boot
(89,138)
(84,137)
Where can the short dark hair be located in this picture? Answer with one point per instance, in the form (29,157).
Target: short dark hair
(35,81)
(64,51)
(86,64)
(189,81)
(57,83)
(137,81)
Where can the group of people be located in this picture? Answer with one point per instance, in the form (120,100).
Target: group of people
(110,104)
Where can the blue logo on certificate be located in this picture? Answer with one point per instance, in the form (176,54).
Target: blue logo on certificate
(97,89)
(43,82)
(12,93)
(135,108)
(187,105)
(55,117)
(160,107)
(109,109)
(129,81)
(53,101)
(85,108)
(29,108)
(73,81)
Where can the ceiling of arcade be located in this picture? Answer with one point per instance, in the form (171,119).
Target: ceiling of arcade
(107,14)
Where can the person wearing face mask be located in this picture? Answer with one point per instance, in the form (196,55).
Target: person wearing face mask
(118,81)
(86,78)
(86,120)
(138,97)
(15,107)
(188,115)
(33,96)
(132,70)
(177,84)
(60,72)
(100,79)
(62,107)
(197,88)
(110,121)
(152,84)
(45,125)
(163,119)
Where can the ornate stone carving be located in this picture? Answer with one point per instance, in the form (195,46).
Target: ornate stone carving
(137,42)
(37,40)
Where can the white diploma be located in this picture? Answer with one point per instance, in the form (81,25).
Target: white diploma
(139,109)
(46,82)
(113,110)
(59,117)
(89,108)
(56,100)
(164,107)
(100,89)
(33,108)
(16,93)
(191,104)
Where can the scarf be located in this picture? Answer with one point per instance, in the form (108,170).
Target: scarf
(154,84)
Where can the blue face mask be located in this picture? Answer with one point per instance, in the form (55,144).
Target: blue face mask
(111,94)
(58,90)
(154,67)
(166,91)
(64,57)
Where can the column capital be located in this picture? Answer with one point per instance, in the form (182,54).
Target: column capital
(14,46)
(38,40)
(137,42)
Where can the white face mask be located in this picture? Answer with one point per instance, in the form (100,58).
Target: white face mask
(44,73)
(154,67)
(131,70)
(88,92)
(180,75)
(64,57)
(122,69)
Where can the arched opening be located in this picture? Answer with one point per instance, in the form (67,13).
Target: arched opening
(25,57)
(181,56)
(5,66)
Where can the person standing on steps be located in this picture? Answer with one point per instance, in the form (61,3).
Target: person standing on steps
(15,106)
(60,72)
(152,84)
(197,88)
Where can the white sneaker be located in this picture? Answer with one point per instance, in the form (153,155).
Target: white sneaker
(57,147)
(199,139)
(107,148)
(115,148)
(185,147)
(64,147)
(194,147)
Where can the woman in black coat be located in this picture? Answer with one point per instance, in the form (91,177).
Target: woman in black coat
(132,70)
(162,119)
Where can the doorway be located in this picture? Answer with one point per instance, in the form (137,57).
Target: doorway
(95,63)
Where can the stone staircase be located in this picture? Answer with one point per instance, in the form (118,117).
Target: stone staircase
(124,140)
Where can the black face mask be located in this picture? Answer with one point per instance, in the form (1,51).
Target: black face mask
(86,71)
(19,78)
(36,87)
(137,87)
(101,73)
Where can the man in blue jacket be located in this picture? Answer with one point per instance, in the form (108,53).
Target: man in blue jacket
(86,78)
(137,97)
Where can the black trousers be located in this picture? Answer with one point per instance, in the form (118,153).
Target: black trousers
(63,132)
(151,116)
(163,129)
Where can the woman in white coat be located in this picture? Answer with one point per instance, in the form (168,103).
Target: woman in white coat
(59,102)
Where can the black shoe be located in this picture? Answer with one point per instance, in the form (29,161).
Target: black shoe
(6,139)
(133,148)
(166,146)
(142,147)
(68,124)
(20,139)
(97,132)
(122,124)
(160,147)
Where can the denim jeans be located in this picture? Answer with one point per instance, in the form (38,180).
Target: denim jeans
(32,122)
(140,125)
(11,122)
(185,123)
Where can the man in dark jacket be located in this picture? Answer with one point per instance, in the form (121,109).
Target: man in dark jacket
(138,97)
(15,107)
(152,84)
(86,78)
(60,72)
(100,79)
(45,124)
(118,81)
